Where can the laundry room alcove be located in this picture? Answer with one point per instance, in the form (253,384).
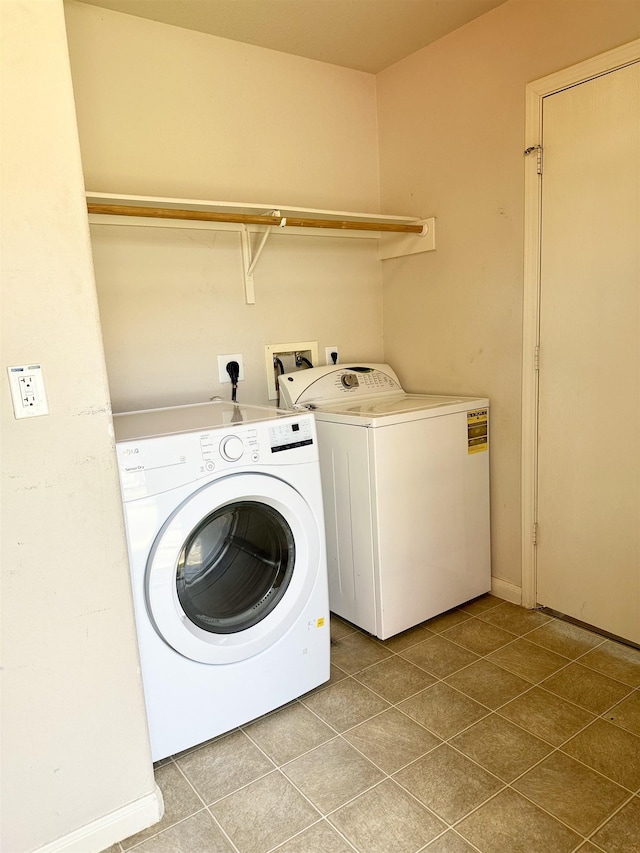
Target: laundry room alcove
(175,293)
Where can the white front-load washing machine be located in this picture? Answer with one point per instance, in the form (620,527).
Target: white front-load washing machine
(225,531)
(406,493)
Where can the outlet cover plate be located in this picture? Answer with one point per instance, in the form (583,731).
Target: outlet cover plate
(327,355)
(223,360)
(27,391)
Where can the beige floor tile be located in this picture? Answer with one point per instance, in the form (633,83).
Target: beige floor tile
(489,684)
(510,824)
(610,750)
(180,801)
(439,656)
(264,814)
(586,687)
(627,713)
(355,652)
(446,620)
(594,771)
(198,832)
(565,639)
(386,819)
(501,747)
(345,704)
(288,733)
(319,838)
(205,743)
(517,620)
(332,774)
(340,628)
(478,636)
(407,638)
(335,675)
(571,792)
(448,783)
(450,842)
(224,766)
(617,661)
(395,679)
(621,834)
(443,710)
(482,604)
(547,716)
(392,740)
(528,660)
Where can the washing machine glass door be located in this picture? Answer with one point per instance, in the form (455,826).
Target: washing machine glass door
(233,567)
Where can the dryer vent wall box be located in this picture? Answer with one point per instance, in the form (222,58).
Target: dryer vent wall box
(406,494)
(289,358)
(225,530)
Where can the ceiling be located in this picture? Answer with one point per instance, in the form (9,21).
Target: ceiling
(367,35)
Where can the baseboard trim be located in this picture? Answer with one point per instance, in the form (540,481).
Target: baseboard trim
(508,591)
(107,830)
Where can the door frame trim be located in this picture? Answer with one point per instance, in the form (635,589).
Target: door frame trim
(536,91)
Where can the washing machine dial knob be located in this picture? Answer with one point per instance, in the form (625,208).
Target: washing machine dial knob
(231,448)
(350,380)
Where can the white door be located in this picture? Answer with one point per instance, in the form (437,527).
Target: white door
(588,511)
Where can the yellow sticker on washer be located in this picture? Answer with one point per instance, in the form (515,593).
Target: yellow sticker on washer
(320,622)
(478,431)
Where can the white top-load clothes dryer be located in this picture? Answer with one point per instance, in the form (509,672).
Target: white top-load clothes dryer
(406,494)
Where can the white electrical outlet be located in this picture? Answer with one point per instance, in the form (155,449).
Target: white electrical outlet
(27,391)
(327,355)
(223,360)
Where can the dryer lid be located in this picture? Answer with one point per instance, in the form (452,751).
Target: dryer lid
(193,417)
(386,411)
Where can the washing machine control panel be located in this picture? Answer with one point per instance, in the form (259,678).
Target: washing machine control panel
(319,386)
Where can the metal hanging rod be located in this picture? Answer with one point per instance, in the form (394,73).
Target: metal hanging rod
(255,219)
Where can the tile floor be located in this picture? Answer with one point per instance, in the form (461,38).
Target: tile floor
(490,728)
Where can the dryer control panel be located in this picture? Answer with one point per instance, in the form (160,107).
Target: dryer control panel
(287,435)
(149,465)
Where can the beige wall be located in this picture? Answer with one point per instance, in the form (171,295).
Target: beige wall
(74,741)
(451,145)
(165,111)
(194,116)
(171,300)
